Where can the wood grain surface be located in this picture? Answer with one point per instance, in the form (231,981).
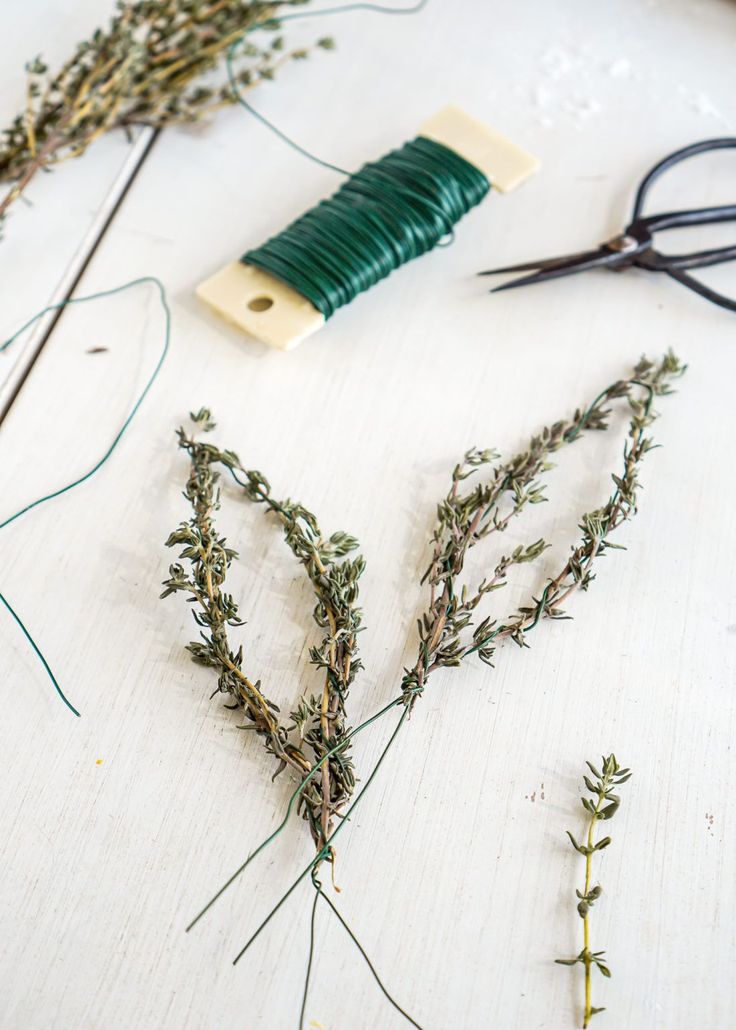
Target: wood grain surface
(455,871)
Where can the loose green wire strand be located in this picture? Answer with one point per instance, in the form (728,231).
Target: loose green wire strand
(39,655)
(368,962)
(313,772)
(319,893)
(310,960)
(143,280)
(277,20)
(388,213)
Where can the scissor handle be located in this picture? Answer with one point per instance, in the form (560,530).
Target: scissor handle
(721,143)
(650,258)
(705,291)
(695,216)
(643,228)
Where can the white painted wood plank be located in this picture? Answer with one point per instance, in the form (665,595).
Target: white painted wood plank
(47,239)
(455,873)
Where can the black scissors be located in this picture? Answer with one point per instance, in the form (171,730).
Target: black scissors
(634,246)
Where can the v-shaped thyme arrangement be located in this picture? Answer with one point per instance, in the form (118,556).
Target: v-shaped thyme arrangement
(466,518)
(317,724)
(449,630)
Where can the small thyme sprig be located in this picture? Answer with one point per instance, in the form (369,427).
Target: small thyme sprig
(603,805)
(146,68)
(466,517)
(318,722)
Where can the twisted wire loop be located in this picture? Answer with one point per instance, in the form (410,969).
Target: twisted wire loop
(386,214)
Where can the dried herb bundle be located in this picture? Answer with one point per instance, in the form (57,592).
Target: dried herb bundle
(465,517)
(602,806)
(447,636)
(317,724)
(147,68)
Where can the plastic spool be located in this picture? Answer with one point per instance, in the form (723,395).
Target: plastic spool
(276,314)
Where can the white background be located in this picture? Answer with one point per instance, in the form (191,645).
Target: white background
(456,872)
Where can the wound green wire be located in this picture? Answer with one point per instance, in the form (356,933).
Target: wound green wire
(143,280)
(389,212)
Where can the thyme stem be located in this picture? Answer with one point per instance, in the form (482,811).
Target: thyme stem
(318,724)
(465,518)
(602,806)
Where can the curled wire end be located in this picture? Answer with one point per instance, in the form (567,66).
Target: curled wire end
(332,860)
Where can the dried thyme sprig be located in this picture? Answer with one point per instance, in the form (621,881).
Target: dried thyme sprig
(317,722)
(334,579)
(209,558)
(602,806)
(466,517)
(148,67)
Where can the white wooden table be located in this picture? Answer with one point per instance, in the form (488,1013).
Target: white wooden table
(456,872)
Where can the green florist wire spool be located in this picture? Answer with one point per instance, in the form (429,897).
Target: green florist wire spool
(386,214)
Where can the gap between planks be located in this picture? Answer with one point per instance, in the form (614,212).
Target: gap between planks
(41,334)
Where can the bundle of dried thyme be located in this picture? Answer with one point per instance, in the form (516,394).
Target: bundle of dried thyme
(149,67)
(447,635)
(317,724)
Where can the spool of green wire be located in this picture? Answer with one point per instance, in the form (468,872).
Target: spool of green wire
(386,214)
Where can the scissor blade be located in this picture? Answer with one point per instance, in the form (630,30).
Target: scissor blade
(581,262)
(527,266)
(526,280)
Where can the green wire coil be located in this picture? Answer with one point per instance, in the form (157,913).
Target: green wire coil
(386,214)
